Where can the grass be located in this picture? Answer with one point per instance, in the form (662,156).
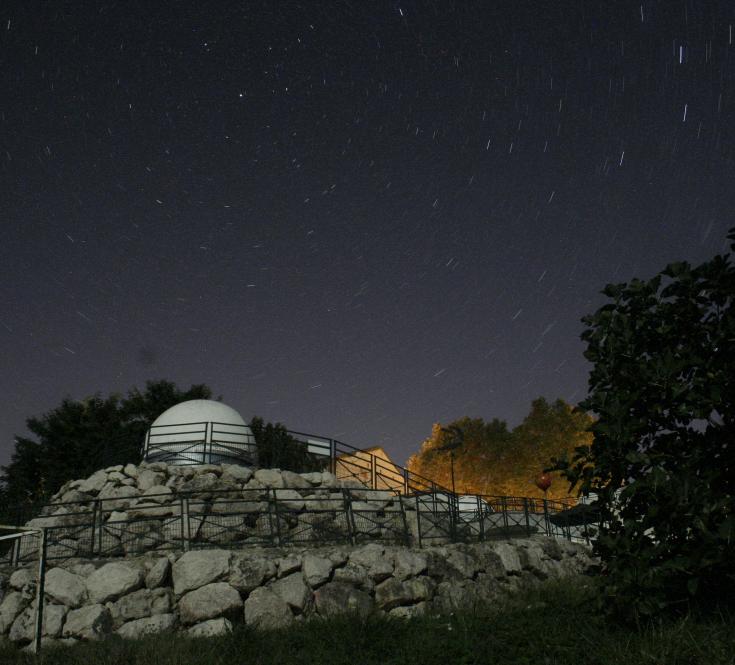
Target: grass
(550,625)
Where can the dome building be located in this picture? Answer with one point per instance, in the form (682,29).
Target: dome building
(200,431)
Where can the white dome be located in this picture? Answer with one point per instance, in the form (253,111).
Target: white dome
(200,431)
(199,411)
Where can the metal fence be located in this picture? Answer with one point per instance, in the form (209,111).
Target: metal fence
(115,527)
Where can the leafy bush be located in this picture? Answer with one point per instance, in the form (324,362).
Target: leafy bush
(663,390)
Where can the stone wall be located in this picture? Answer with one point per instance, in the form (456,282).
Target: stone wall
(205,592)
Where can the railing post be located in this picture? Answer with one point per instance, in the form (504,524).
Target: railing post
(94,528)
(418,522)
(373,478)
(481,513)
(333,456)
(525,513)
(39,591)
(546,517)
(277,534)
(99,520)
(15,553)
(349,515)
(405,481)
(504,506)
(185,524)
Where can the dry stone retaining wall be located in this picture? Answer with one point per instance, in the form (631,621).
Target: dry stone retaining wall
(205,592)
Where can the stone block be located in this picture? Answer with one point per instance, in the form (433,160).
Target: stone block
(264,609)
(114,580)
(65,587)
(89,622)
(195,569)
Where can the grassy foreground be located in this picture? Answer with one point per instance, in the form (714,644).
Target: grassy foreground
(550,625)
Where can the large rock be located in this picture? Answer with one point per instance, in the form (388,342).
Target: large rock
(205,482)
(372,558)
(65,587)
(294,480)
(264,609)
(289,499)
(234,474)
(23,628)
(147,478)
(117,498)
(22,578)
(337,598)
(195,569)
(393,592)
(94,483)
(209,602)
(140,604)
(248,573)
(509,558)
(90,622)
(211,628)
(293,590)
(158,494)
(13,604)
(158,573)
(317,570)
(409,563)
(269,477)
(138,628)
(113,580)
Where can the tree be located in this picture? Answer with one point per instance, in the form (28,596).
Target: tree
(278,449)
(663,389)
(80,436)
(490,459)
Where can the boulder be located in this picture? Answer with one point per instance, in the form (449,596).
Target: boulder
(293,590)
(409,611)
(288,564)
(131,470)
(372,558)
(13,604)
(23,628)
(117,498)
(289,499)
(206,482)
(316,570)
(294,480)
(94,483)
(89,622)
(264,609)
(158,494)
(269,477)
(248,573)
(65,587)
(158,573)
(138,628)
(195,569)
(140,604)
(235,474)
(409,563)
(209,602)
(211,628)
(393,592)
(75,496)
(148,478)
(22,578)
(113,580)
(337,598)
(463,561)
(355,576)
(509,558)
(313,478)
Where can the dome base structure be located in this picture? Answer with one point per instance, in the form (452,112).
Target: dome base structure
(200,431)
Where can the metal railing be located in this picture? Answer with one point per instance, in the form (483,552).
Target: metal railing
(278,517)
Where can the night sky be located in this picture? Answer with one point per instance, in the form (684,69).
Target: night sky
(355,218)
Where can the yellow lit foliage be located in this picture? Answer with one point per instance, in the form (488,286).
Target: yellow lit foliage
(493,460)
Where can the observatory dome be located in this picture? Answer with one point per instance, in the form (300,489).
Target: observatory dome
(199,411)
(200,431)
